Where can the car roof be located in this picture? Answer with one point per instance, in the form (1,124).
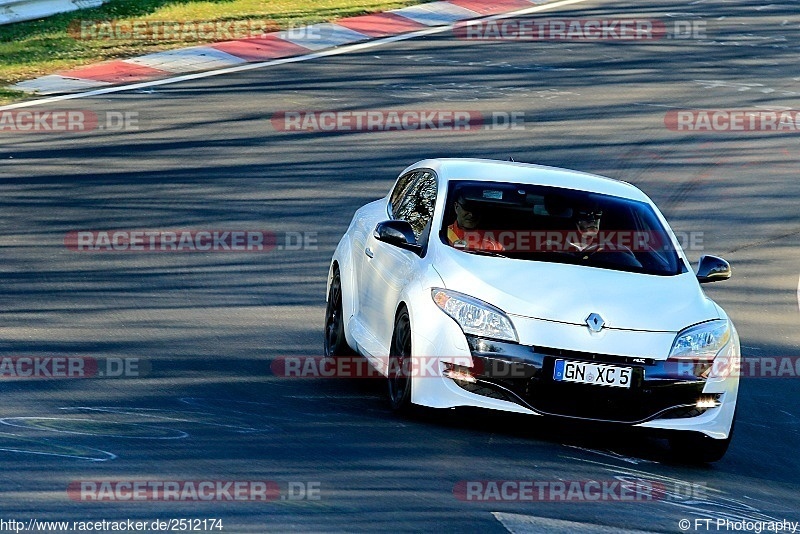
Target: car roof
(487,170)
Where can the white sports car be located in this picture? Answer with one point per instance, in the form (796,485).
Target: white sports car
(535,290)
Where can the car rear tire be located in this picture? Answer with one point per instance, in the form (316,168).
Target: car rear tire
(335,341)
(399,372)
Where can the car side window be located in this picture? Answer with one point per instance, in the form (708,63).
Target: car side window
(400,189)
(417,204)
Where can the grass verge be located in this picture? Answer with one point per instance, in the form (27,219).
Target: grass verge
(36,48)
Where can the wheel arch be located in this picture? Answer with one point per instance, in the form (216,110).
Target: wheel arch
(343,261)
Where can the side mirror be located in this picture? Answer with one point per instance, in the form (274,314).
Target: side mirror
(399,234)
(713,269)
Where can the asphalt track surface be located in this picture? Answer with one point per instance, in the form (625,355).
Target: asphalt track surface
(207,325)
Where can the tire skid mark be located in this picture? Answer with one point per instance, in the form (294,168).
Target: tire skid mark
(40,447)
(94,428)
(272,408)
(712,503)
(300,417)
(614,455)
(766,241)
(159,414)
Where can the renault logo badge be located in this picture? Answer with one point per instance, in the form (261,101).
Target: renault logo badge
(595,322)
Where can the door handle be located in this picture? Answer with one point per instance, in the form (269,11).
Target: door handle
(368,252)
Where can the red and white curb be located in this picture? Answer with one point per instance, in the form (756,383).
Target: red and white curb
(295,42)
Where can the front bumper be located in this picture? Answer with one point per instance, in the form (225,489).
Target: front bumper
(518,377)
(524,375)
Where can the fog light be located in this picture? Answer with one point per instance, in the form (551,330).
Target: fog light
(708,402)
(458,372)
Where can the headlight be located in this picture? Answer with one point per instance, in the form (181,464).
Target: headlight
(701,342)
(474,316)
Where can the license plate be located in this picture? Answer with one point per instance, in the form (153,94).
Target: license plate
(597,374)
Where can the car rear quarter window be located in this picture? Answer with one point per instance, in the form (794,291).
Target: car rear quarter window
(400,189)
(417,203)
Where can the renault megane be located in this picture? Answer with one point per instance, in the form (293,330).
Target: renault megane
(535,290)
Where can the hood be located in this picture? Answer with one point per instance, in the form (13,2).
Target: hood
(570,293)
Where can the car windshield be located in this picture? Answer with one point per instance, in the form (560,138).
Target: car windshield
(553,224)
